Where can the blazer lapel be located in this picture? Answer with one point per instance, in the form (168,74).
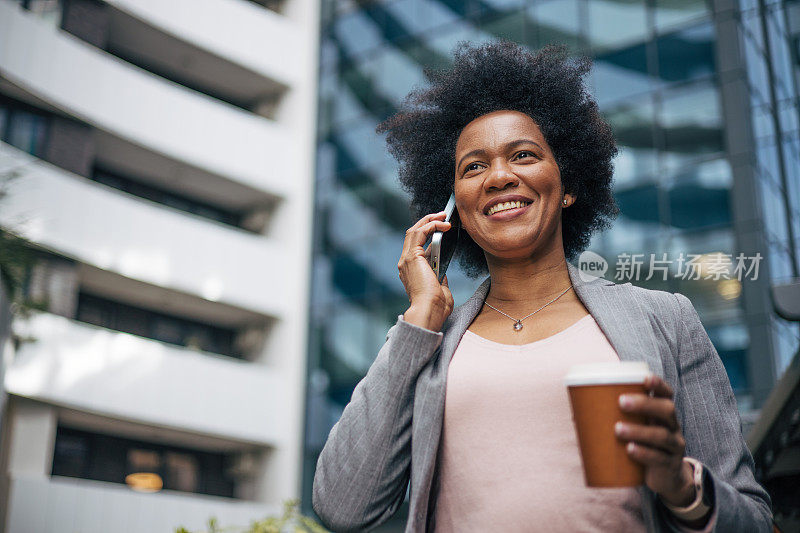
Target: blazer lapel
(616,310)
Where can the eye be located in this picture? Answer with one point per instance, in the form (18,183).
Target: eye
(471,166)
(524,153)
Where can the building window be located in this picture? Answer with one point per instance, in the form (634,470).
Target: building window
(168,198)
(22,127)
(158,326)
(85,455)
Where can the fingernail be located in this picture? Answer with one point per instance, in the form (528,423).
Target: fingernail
(631,446)
(625,401)
(620,428)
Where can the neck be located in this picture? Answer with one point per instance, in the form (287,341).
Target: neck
(522,284)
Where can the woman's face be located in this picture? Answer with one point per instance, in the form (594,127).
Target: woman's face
(502,157)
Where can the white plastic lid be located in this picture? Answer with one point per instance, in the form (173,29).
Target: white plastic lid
(607,373)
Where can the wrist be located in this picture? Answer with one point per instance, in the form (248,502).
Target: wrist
(697,513)
(425,316)
(686,492)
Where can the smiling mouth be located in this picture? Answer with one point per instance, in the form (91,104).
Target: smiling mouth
(506,206)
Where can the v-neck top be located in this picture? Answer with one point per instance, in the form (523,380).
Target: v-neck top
(509,457)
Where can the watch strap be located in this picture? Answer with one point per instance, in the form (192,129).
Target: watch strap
(699,507)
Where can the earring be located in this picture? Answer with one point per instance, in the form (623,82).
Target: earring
(565,201)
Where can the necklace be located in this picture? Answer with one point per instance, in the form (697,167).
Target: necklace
(518,322)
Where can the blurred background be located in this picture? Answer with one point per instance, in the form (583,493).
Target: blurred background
(200,228)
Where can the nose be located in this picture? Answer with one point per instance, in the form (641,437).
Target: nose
(500,177)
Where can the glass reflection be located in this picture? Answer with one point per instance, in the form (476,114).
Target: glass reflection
(694,204)
(356,32)
(425,16)
(782,64)
(713,296)
(787,341)
(631,236)
(669,13)
(687,54)
(633,129)
(347,335)
(613,24)
(639,203)
(350,221)
(617,76)
(393,73)
(690,123)
(732,342)
(360,143)
(510,26)
(555,21)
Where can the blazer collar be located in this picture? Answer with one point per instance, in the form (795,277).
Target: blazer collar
(613,306)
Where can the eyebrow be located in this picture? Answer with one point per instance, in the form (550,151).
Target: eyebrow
(511,144)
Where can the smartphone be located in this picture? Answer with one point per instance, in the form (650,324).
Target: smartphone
(443,243)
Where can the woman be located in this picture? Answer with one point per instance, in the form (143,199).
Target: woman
(467,405)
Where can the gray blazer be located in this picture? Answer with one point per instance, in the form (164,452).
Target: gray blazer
(388,435)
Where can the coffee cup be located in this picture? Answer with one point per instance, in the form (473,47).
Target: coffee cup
(594,391)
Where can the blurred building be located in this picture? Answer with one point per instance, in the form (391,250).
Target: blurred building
(703,99)
(157,155)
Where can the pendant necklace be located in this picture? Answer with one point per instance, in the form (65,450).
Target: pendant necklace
(518,322)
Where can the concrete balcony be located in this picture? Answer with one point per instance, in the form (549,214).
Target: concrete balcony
(121,376)
(144,109)
(141,240)
(207,25)
(58,504)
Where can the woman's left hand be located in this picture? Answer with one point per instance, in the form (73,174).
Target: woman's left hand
(659,446)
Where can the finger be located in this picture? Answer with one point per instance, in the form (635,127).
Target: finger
(658,386)
(421,222)
(418,236)
(649,456)
(445,282)
(427,218)
(448,297)
(662,410)
(654,436)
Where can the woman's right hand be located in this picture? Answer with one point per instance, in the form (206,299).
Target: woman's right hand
(431,302)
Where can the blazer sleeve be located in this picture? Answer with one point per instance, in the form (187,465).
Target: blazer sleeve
(713,431)
(363,471)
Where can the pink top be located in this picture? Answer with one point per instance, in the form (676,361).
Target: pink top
(509,456)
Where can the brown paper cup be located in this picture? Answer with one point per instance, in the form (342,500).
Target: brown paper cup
(594,391)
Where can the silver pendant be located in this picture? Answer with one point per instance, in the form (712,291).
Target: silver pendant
(518,325)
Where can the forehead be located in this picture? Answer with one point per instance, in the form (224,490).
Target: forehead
(498,127)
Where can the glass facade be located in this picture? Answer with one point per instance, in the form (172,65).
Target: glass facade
(770,48)
(657,80)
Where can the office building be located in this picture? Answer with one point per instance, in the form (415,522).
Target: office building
(702,97)
(157,156)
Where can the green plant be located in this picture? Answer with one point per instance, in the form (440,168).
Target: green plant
(290,521)
(17,258)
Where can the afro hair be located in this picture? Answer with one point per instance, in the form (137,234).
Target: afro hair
(547,86)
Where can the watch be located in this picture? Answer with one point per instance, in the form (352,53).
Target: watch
(704,492)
